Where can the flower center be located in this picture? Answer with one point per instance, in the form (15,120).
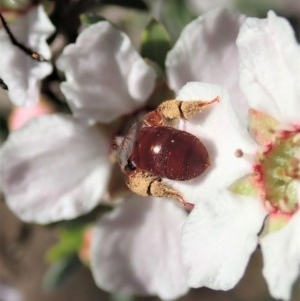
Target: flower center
(277,171)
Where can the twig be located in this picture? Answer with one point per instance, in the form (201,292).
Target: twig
(33,54)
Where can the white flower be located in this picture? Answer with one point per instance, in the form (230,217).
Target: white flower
(135,249)
(106,77)
(284,6)
(57,167)
(206,53)
(19,71)
(59,162)
(54,168)
(254,174)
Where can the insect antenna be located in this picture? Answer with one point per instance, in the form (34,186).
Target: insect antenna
(33,54)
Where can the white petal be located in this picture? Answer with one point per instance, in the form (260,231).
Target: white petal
(206,5)
(218,239)
(106,77)
(281,253)
(221,133)
(19,71)
(206,52)
(54,168)
(135,249)
(10,293)
(270,67)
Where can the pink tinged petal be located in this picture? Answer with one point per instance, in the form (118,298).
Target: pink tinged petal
(19,71)
(218,239)
(270,67)
(223,136)
(281,253)
(206,52)
(135,249)
(106,77)
(54,168)
(21,115)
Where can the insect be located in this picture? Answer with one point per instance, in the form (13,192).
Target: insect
(154,149)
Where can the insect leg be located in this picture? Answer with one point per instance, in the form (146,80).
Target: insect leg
(174,109)
(145,184)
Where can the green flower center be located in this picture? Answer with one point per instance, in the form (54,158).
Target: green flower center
(278,172)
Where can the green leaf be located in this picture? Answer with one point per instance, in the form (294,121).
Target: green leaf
(14,5)
(155,43)
(70,241)
(256,8)
(89,19)
(174,14)
(83,220)
(177,16)
(61,271)
(121,297)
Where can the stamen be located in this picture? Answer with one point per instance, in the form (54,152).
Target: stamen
(278,171)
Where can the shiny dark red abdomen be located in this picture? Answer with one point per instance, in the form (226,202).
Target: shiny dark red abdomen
(169,153)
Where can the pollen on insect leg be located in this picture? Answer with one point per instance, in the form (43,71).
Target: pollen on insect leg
(159,189)
(145,184)
(190,108)
(175,109)
(139,181)
(170,109)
